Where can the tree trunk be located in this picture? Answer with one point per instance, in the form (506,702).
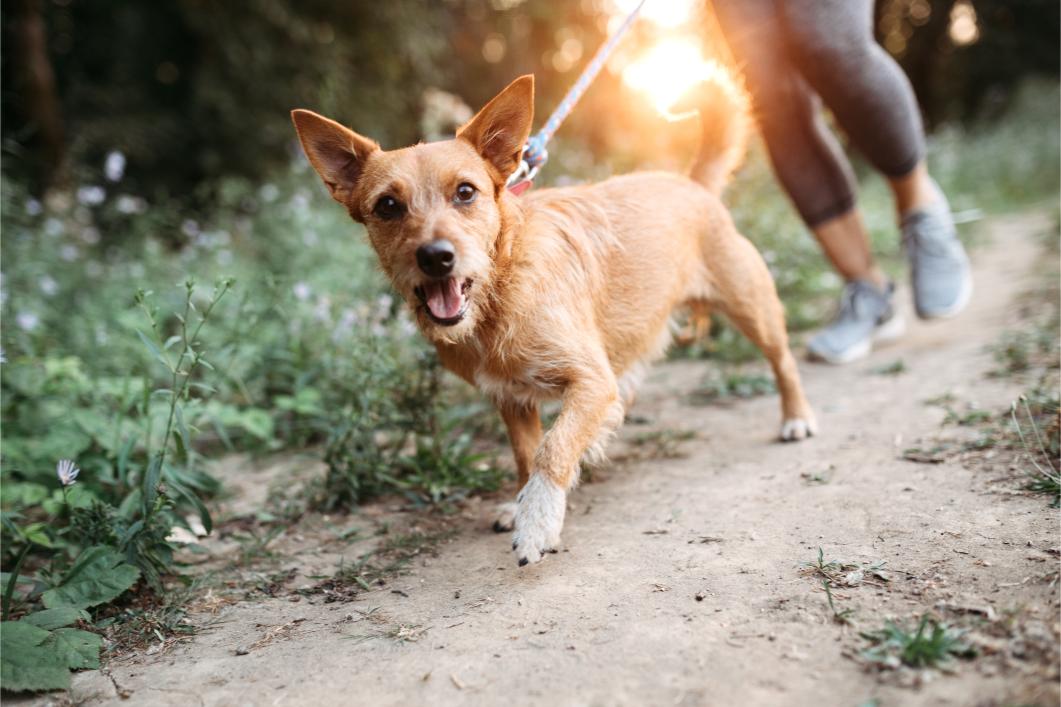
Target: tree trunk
(35,81)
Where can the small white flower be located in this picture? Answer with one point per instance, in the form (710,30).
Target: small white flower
(114,165)
(345,326)
(383,306)
(91,195)
(53,227)
(323,310)
(127,204)
(27,321)
(268,193)
(69,253)
(302,291)
(190,228)
(48,285)
(67,472)
(33,207)
(90,235)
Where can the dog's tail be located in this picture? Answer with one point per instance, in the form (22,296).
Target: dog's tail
(726,124)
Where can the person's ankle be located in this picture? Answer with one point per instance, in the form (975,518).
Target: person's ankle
(915,191)
(873,276)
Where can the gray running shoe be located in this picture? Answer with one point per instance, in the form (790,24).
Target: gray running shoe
(939,267)
(866,316)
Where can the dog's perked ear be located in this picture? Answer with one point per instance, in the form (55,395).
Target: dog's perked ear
(499,131)
(337,153)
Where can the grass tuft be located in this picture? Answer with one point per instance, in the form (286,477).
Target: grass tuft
(931,645)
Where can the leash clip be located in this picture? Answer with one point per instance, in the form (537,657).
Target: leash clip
(525,172)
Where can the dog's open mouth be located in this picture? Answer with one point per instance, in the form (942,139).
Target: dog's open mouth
(446,300)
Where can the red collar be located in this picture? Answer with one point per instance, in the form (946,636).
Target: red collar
(520,187)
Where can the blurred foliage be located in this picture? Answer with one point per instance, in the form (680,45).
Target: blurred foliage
(172,156)
(190,91)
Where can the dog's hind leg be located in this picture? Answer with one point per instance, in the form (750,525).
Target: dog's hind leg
(697,327)
(524,426)
(744,291)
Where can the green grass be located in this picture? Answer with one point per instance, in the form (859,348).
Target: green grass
(723,385)
(895,368)
(308,349)
(1036,422)
(930,644)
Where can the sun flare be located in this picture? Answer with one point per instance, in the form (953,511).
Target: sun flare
(665,13)
(667,71)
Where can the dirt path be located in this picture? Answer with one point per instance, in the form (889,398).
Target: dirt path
(681,581)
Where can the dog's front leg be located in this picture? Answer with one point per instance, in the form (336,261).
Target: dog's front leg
(524,426)
(590,403)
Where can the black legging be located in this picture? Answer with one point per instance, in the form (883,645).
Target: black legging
(792,52)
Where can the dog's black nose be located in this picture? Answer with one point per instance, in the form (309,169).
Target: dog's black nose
(436,258)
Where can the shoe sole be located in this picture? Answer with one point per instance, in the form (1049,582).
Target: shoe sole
(887,332)
(955,309)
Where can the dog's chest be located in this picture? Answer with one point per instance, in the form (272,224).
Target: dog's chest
(525,387)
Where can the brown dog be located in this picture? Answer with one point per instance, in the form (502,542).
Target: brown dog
(563,293)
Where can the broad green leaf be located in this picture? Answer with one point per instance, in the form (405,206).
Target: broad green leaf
(152,348)
(257,422)
(191,497)
(51,619)
(25,663)
(97,576)
(182,429)
(17,494)
(75,648)
(149,489)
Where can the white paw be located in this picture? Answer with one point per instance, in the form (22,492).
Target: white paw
(797,428)
(506,517)
(540,509)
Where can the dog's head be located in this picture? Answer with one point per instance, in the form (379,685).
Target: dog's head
(433,211)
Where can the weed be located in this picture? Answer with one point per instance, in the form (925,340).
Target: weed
(932,644)
(849,574)
(403,438)
(1045,457)
(843,574)
(661,444)
(819,478)
(969,418)
(895,368)
(841,617)
(943,400)
(936,454)
(374,568)
(722,388)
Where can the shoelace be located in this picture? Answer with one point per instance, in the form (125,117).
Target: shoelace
(855,293)
(927,235)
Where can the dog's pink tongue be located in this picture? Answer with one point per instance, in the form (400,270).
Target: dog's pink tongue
(444,299)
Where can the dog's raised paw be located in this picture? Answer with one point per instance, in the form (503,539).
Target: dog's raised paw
(506,518)
(539,518)
(796,428)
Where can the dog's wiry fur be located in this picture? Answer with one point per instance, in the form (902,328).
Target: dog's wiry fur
(567,294)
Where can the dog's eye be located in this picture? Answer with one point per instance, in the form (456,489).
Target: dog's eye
(465,194)
(388,208)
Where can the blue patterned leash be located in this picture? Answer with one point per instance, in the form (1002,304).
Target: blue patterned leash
(534,152)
